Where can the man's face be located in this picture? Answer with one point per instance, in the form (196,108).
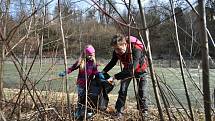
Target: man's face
(120,48)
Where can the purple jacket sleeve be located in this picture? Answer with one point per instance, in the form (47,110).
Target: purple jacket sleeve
(75,66)
(95,70)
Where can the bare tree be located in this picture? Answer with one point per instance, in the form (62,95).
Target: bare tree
(180,60)
(65,58)
(1,66)
(205,60)
(155,88)
(3,35)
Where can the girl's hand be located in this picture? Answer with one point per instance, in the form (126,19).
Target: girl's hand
(62,74)
(101,76)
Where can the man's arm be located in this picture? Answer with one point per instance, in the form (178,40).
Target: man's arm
(112,63)
(136,54)
(123,74)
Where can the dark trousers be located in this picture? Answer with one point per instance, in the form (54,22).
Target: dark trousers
(141,94)
(92,97)
(81,98)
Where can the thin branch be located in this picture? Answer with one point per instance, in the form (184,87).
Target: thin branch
(14,29)
(180,62)
(65,58)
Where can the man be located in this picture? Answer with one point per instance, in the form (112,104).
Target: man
(135,65)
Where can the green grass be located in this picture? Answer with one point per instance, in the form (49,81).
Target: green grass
(169,76)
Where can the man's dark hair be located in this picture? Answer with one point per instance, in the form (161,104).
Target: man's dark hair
(117,39)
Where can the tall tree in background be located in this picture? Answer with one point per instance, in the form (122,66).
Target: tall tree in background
(210,18)
(4,20)
(1,64)
(205,59)
(91,14)
(182,24)
(103,4)
(107,6)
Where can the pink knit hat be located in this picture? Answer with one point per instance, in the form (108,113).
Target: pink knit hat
(89,49)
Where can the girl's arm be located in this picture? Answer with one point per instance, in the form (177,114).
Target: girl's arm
(95,70)
(75,66)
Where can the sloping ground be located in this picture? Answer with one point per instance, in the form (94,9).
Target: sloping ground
(131,114)
(56,109)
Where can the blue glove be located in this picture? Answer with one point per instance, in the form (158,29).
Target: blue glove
(101,76)
(62,74)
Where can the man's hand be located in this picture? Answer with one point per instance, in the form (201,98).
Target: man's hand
(111,80)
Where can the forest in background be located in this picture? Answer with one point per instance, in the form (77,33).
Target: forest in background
(33,30)
(91,26)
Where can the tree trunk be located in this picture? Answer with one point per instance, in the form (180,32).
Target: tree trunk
(205,60)
(65,59)
(150,62)
(3,51)
(1,73)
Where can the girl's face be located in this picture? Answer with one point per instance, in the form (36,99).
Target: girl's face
(90,56)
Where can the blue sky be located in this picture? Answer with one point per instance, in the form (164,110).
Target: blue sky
(87,3)
(83,4)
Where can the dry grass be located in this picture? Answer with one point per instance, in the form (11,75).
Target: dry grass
(56,108)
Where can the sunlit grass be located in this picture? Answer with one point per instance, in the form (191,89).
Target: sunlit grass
(49,80)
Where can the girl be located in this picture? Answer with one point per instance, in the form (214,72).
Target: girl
(91,70)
